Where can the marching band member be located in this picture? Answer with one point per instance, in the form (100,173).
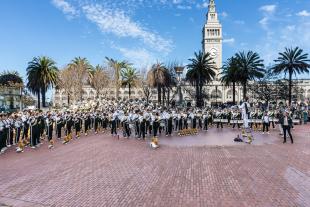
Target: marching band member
(34,131)
(49,132)
(87,121)
(97,122)
(17,127)
(181,120)
(77,126)
(169,121)
(142,126)
(205,118)
(156,124)
(59,125)
(2,134)
(218,115)
(266,120)
(104,122)
(69,124)
(10,126)
(113,123)
(245,112)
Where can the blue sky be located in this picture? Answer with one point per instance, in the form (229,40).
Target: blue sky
(144,31)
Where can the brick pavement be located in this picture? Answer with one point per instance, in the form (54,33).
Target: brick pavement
(103,171)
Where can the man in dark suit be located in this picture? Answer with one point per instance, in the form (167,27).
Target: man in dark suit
(286,123)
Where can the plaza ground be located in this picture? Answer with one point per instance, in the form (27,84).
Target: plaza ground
(204,170)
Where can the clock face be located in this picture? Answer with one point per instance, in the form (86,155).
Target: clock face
(213,52)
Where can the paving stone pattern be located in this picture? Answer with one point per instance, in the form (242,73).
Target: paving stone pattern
(99,170)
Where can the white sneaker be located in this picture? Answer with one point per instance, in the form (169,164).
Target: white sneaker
(19,150)
(263,133)
(33,147)
(9,145)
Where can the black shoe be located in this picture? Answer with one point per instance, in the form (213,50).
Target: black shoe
(284,142)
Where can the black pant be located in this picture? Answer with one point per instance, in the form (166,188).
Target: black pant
(142,130)
(288,130)
(205,124)
(113,128)
(2,139)
(17,135)
(58,132)
(155,128)
(265,127)
(219,123)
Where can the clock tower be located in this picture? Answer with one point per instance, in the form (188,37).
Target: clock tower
(212,36)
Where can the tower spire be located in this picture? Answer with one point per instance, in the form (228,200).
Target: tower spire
(212,6)
(212,14)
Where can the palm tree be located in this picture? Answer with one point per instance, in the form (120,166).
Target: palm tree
(117,66)
(201,71)
(250,66)
(230,75)
(293,62)
(130,78)
(82,71)
(158,77)
(42,74)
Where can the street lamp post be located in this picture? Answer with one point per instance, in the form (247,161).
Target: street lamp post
(216,95)
(179,71)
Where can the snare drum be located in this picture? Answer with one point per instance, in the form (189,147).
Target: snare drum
(217,120)
(224,120)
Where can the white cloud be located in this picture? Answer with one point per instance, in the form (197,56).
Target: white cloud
(268,14)
(140,57)
(229,40)
(121,25)
(303,13)
(224,14)
(66,8)
(184,7)
(264,21)
(177,1)
(268,8)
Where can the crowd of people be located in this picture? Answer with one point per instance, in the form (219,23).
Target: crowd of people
(136,119)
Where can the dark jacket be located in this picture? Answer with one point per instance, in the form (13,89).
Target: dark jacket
(289,120)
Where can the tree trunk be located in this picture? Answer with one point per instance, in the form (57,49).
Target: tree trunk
(68,99)
(200,95)
(158,94)
(290,88)
(244,90)
(38,95)
(164,96)
(168,99)
(234,93)
(197,93)
(129,90)
(43,92)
